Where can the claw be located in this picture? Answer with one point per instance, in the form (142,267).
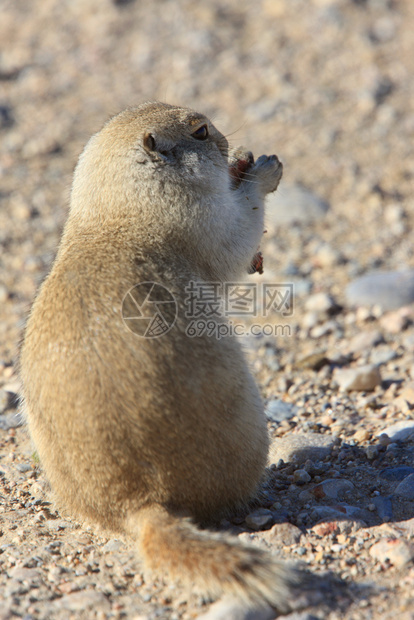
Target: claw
(257,263)
(240,162)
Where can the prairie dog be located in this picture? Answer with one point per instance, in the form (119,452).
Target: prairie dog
(150,436)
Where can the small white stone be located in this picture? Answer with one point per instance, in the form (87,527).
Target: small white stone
(360,378)
(400,431)
(319,303)
(397,551)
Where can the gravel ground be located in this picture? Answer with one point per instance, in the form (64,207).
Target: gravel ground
(327,85)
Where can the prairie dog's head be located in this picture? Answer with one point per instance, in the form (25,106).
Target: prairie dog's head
(148,158)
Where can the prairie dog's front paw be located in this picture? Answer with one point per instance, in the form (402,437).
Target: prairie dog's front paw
(241,162)
(268,170)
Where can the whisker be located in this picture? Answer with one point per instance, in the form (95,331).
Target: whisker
(236,130)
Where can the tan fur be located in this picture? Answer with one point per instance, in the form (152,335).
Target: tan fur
(139,433)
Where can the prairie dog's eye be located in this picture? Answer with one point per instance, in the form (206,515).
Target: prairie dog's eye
(201,133)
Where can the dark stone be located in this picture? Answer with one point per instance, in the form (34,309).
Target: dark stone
(6,117)
(383,90)
(384,507)
(396,473)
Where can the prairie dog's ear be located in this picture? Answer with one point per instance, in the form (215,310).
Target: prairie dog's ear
(149,142)
(159,147)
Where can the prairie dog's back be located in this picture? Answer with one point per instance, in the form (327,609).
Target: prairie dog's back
(129,395)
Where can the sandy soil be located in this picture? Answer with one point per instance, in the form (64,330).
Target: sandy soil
(327,85)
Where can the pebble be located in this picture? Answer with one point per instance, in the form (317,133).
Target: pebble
(301,476)
(302,287)
(335,522)
(361,378)
(22,574)
(371,452)
(382,355)
(407,527)
(300,615)
(54,574)
(327,256)
(4,400)
(283,534)
(400,431)
(402,405)
(113,545)
(6,612)
(290,269)
(384,440)
(11,420)
(4,293)
(384,507)
(321,303)
(79,601)
(305,497)
(388,289)
(396,473)
(57,525)
(329,327)
(333,488)
(278,410)
(394,214)
(344,511)
(300,448)
(12,387)
(259,519)
(396,551)
(362,435)
(364,341)
(383,30)
(406,488)
(309,320)
(294,204)
(396,322)
(314,361)
(408,393)
(325,528)
(229,609)
(24,467)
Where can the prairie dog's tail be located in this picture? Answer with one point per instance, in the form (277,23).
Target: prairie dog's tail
(213,563)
